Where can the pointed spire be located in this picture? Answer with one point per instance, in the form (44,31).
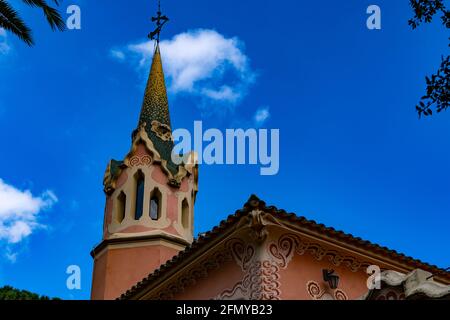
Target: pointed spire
(155,106)
(155,117)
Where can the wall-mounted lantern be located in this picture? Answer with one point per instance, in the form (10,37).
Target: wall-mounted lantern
(331,278)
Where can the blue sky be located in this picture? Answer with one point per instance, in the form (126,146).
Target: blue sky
(353,153)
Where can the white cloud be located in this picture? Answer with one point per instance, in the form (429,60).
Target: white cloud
(261,116)
(19,211)
(225,93)
(11,256)
(200,62)
(4,46)
(117,54)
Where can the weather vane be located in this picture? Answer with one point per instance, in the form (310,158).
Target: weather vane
(160,22)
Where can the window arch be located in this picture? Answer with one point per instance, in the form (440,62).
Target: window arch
(185,214)
(155,205)
(140,186)
(120,207)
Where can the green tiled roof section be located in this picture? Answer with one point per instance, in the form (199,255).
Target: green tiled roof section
(115,168)
(155,107)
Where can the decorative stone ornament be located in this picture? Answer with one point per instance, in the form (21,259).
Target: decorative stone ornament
(163,131)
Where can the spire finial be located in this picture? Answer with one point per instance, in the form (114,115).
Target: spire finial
(160,20)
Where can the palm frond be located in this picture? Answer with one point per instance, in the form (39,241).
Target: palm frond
(53,16)
(11,21)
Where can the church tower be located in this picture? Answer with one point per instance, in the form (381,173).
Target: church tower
(150,200)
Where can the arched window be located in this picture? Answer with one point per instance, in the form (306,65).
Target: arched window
(140,184)
(155,204)
(185,214)
(120,207)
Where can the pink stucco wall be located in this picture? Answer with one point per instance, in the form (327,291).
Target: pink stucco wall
(117,270)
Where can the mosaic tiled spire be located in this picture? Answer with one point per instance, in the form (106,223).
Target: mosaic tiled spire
(155,106)
(155,111)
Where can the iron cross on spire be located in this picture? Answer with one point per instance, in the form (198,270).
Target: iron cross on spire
(160,22)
